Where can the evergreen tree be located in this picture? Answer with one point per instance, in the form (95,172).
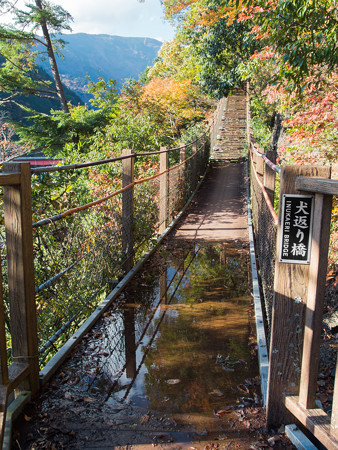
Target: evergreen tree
(18,70)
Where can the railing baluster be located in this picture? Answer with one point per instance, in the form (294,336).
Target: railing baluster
(20,262)
(315,300)
(127,210)
(164,187)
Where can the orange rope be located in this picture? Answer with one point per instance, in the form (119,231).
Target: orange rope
(107,197)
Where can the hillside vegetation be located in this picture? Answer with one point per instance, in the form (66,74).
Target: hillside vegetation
(286,49)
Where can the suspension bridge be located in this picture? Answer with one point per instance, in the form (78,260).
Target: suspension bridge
(63,271)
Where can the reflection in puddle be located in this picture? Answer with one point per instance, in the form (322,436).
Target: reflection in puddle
(184,340)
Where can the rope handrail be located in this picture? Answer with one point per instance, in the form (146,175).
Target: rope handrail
(110,160)
(78,165)
(79,208)
(272,165)
(64,214)
(60,216)
(265,194)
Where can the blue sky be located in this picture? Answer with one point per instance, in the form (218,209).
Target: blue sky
(117,17)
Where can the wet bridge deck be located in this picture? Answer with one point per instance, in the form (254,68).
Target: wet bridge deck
(173,363)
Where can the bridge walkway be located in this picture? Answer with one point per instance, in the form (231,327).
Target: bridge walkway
(88,403)
(219,212)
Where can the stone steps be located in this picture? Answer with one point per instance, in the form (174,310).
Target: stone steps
(231,133)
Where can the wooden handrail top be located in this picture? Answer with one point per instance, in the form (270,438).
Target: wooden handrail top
(8,179)
(319,185)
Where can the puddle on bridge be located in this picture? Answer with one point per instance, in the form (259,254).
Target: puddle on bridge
(178,356)
(189,341)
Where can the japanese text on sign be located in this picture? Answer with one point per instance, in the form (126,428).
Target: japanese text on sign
(296,229)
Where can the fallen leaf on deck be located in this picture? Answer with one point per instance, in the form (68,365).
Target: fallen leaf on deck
(216,392)
(173,381)
(221,412)
(145,419)
(243,388)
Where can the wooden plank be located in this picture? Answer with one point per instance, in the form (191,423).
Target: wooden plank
(128,210)
(14,409)
(3,410)
(10,179)
(287,324)
(20,263)
(334,416)
(299,440)
(260,164)
(322,186)
(315,299)
(17,373)
(164,190)
(315,420)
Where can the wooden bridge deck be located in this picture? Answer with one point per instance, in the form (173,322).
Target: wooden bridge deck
(219,211)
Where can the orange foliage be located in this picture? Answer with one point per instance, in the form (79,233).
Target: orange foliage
(171,99)
(199,13)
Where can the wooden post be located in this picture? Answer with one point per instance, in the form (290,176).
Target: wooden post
(182,172)
(315,300)
(194,166)
(254,156)
(20,262)
(290,294)
(260,163)
(270,177)
(3,349)
(164,190)
(3,367)
(128,211)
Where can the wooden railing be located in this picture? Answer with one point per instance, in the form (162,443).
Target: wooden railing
(303,406)
(295,322)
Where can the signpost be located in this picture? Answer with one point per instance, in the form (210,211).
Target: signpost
(296,229)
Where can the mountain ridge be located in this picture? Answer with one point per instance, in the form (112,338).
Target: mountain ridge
(102,55)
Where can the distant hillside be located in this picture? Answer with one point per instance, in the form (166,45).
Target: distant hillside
(103,55)
(43,105)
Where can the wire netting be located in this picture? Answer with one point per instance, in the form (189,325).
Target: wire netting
(265,240)
(77,258)
(88,231)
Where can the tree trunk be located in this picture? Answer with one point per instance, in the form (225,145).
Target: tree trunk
(277,129)
(52,61)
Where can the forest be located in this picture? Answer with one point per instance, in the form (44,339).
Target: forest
(286,50)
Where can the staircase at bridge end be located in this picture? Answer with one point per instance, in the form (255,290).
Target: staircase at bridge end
(230,140)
